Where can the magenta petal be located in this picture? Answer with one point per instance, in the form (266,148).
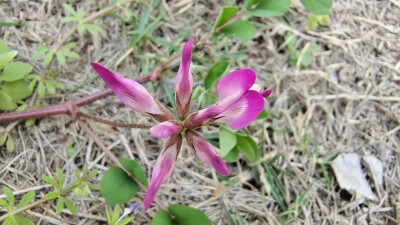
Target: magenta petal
(163,168)
(267,93)
(243,111)
(165,129)
(184,79)
(131,93)
(205,151)
(232,86)
(204,116)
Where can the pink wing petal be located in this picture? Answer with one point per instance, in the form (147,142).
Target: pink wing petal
(206,152)
(131,93)
(204,116)
(165,129)
(184,79)
(163,168)
(232,86)
(243,111)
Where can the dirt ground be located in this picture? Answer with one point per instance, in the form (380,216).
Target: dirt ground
(347,100)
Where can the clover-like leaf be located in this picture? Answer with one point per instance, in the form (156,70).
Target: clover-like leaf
(117,187)
(240,29)
(267,8)
(135,169)
(224,16)
(189,216)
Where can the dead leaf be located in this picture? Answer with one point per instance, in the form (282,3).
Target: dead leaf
(376,168)
(347,168)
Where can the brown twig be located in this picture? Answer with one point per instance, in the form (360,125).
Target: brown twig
(112,123)
(96,140)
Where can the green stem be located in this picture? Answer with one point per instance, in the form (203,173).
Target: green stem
(19,210)
(63,191)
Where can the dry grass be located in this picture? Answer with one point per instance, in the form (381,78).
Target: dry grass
(347,100)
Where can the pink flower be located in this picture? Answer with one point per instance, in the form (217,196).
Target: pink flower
(239,102)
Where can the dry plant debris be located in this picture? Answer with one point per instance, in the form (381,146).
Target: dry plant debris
(347,100)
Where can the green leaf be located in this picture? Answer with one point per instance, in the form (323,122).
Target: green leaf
(10,144)
(233,155)
(197,92)
(59,206)
(115,215)
(117,187)
(40,51)
(81,27)
(6,102)
(41,89)
(227,140)
(61,58)
(56,84)
(17,90)
(4,203)
(125,221)
(30,122)
(135,169)
(207,98)
(267,8)
(71,152)
(50,181)
(318,7)
(315,21)
(60,178)
(51,195)
(6,57)
(215,73)
(70,9)
(3,140)
(22,107)
(240,29)
(81,191)
(188,216)
(3,47)
(162,217)
(10,196)
(306,58)
(16,71)
(10,221)
(263,115)
(291,40)
(70,206)
(26,199)
(32,85)
(50,87)
(92,28)
(224,16)
(70,54)
(70,19)
(68,46)
(48,57)
(23,221)
(248,146)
